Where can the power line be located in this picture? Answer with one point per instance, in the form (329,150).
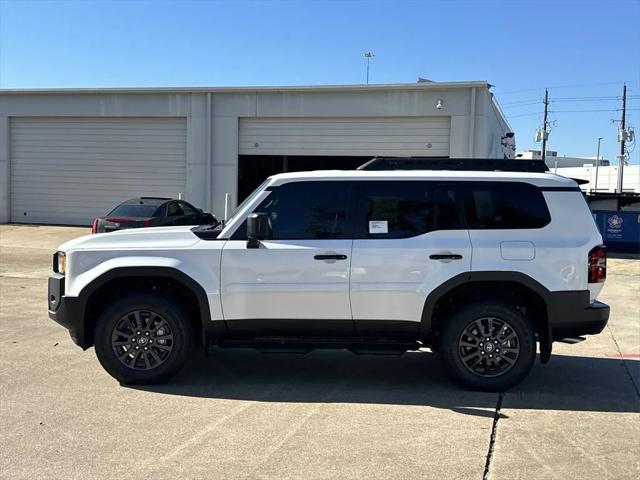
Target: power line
(511,92)
(594,110)
(524,103)
(529,114)
(525,115)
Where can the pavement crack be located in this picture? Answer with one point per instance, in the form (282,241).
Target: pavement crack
(492,438)
(624,362)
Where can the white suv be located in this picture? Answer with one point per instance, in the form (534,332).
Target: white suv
(478,266)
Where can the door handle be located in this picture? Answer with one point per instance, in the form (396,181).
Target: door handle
(330,257)
(445,256)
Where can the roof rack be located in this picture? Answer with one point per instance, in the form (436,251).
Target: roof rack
(469,164)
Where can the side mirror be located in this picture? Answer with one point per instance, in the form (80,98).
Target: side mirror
(257,229)
(200,210)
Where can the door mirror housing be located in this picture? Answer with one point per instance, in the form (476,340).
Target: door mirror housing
(257,229)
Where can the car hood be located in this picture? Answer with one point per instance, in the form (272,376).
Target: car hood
(136,238)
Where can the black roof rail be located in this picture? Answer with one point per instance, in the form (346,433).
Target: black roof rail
(468,164)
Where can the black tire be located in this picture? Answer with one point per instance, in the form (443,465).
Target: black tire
(468,362)
(125,333)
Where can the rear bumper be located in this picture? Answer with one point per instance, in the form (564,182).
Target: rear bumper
(571,314)
(67,311)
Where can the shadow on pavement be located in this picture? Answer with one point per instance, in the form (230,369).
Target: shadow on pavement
(415,378)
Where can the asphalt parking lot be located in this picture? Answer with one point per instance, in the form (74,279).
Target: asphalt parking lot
(241,414)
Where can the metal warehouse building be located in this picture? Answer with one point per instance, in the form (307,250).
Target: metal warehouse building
(69,155)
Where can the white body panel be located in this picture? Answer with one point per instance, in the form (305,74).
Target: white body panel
(391,278)
(282,280)
(91,256)
(555,256)
(381,279)
(70,170)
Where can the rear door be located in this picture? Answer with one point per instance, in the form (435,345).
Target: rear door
(409,238)
(297,282)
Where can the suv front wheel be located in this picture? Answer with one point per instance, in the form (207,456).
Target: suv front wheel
(143,339)
(488,346)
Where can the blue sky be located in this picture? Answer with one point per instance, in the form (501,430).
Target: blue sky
(582,50)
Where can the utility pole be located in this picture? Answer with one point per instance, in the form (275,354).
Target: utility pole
(595,187)
(368,56)
(621,138)
(544,125)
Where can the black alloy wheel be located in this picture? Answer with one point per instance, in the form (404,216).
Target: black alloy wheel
(143,338)
(487,346)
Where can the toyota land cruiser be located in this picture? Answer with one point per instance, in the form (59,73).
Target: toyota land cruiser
(481,267)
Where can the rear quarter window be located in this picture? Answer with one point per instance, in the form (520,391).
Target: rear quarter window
(505,205)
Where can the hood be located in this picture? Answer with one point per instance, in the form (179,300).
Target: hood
(135,238)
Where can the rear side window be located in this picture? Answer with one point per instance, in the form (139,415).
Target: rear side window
(504,205)
(187,209)
(306,211)
(174,210)
(135,210)
(402,209)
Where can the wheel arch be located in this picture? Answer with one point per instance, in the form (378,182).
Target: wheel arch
(147,278)
(498,285)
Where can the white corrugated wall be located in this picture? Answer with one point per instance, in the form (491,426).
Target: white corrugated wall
(394,136)
(69,170)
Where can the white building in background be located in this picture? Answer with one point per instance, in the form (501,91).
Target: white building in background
(584,168)
(607,177)
(553,160)
(68,155)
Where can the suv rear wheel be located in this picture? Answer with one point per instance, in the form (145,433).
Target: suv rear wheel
(488,346)
(142,339)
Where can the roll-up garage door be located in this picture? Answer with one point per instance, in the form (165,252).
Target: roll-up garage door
(69,170)
(396,136)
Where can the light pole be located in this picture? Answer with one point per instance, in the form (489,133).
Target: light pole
(368,56)
(595,186)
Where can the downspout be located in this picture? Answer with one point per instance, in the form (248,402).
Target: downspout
(208,170)
(472,123)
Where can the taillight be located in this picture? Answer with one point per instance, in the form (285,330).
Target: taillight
(598,264)
(94,225)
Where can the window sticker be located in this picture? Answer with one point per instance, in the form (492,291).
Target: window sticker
(378,226)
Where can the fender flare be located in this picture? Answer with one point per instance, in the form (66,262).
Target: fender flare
(208,326)
(492,276)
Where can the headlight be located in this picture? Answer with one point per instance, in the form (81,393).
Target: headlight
(60,262)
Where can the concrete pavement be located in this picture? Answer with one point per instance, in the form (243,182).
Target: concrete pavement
(242,414)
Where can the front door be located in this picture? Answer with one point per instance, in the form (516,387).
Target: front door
(409,238)
(297,282)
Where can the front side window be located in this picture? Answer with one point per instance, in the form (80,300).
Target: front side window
(305,211)
(403,209)
(505,205)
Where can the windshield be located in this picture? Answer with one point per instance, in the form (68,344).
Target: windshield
(135,210)
(248,200)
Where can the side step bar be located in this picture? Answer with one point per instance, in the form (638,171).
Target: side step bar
(357,345)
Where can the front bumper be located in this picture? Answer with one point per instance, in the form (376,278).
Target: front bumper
(67,311)
(571,315)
